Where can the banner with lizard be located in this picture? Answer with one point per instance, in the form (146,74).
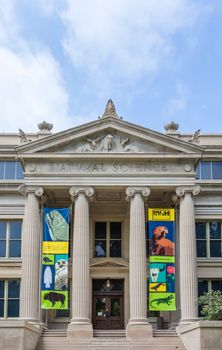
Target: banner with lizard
(162,259)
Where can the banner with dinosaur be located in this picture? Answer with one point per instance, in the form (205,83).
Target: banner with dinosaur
(162,259)
(55,249)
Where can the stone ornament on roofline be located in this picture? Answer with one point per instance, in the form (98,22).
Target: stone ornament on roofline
(171,128)
(45,128)
(110,111)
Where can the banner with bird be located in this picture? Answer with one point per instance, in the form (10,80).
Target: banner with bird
(55,250)
(161,292)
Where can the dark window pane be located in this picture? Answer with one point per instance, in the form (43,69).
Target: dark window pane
(205,170)
(201,248)
(217,170)
(201,230)
(13,288)
(62,313)
(117,285)
(15,249)
(100,307)
(216,285)
(1,170)
(202,288)
(115,306)
(13,308)
(19,174)
(15,229)
(215,230)
(115,230)
(100,248)
(198,171)
(215,248)
(1,308)
(2,289)
(10,170)
(2,248)
(2,229)
(100,230)
(115,248)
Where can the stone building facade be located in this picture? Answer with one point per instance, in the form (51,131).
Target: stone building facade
(108,172)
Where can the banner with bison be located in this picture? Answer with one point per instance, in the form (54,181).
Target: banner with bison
(55,249)
(162,260)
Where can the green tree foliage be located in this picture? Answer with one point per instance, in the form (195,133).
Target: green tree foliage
(211,305)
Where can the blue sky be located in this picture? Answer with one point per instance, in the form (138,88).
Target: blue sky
(61,60)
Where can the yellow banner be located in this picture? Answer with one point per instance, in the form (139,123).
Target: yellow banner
(161,214)
(55,247)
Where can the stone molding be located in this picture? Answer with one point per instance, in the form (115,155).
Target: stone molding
(75,191)
(25,189)
(194,190)
(131,191)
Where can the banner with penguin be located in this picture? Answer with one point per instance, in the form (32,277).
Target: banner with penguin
(162,259)
(55,249)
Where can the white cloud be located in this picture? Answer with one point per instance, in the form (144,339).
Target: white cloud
(31,90)
(123,38)
(177,103)
(31,84)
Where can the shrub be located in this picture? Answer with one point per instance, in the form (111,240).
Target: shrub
(211,305)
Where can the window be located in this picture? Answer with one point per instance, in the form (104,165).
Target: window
(208,238)
(9,298)
(209,170)
(10,239)
(108,239)
(207,285)
(10,170)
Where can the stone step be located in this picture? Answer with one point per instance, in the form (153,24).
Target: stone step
(165,333)
(57,340)
(54,333)
(110,333)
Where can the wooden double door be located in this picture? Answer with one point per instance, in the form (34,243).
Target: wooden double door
(108,310)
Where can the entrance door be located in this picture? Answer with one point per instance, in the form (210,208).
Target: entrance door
(108,310)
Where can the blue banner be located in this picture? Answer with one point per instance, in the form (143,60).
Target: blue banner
(55,248)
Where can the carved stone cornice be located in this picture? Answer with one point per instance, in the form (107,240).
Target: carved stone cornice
(25,189)
(182,190)
(75,191)
(131,191)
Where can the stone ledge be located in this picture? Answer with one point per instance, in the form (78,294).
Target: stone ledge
(201,335)
(18,335)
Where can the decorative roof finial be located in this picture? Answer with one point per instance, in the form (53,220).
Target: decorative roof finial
(110,110)
(171,128)
(45,128)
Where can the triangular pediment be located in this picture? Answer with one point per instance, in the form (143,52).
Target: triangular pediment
(108,135)
(109,263)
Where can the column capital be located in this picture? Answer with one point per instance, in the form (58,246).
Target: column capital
(75,191)
(182,190)
(37,190)
(131,191)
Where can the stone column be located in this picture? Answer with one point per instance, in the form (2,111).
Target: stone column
(80,325)
(188,264)
(138,326)
(31,239)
